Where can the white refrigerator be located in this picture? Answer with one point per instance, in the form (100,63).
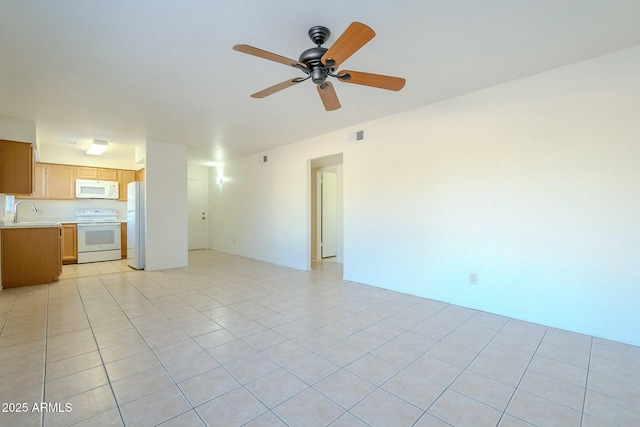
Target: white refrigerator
(135,225)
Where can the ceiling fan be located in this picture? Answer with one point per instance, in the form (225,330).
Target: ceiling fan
(319,63)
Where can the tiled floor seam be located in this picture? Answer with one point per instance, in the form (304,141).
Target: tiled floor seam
(104,366)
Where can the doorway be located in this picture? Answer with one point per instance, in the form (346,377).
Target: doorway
(197,214)
(326,208)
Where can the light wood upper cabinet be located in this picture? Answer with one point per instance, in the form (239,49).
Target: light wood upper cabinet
(55,181)
(124,178)
(39,182)
(16,167)
(141,175)
(87,172)
(61,182)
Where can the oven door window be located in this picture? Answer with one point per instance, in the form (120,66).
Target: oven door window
(99,237)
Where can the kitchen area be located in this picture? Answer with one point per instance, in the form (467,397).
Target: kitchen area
(64,214)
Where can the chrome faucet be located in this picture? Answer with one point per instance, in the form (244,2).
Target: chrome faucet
(15,209)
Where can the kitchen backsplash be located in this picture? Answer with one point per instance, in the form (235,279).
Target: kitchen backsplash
(61,210)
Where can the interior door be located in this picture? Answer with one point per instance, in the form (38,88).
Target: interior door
(197,212)
(329,213)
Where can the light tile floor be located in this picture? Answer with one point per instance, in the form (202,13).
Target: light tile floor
(230,341)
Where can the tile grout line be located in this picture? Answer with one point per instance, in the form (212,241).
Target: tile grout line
(104,366)
(515,390)
(586,382)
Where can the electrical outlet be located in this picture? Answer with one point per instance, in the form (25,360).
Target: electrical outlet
(473,278)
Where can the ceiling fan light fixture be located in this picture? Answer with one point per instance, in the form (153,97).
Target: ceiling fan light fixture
(97,147)
(318,76)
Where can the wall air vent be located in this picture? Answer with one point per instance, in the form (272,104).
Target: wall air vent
(263,159)
(357,136)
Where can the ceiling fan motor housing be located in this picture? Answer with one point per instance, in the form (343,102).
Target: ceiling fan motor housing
(312,59)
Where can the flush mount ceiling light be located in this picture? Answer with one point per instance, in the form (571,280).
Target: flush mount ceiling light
(97,147)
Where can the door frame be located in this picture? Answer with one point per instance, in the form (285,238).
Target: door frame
(332,162)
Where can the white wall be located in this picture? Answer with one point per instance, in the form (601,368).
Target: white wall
(533,185)
(56,154)
(166,206)
(17,129)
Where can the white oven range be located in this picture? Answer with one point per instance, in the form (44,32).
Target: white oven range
(98,235)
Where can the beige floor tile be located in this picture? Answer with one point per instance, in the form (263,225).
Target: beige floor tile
(73,384)
(396,354)
(86,405)
(621,367)
(508,354)
(314,340)
(22,362)
(539,411)
(571,355)
(312,368)
(70,350)
(231,351)
(309,408)
(215,338)
(268,419)
(373,369)
(286,352)
(124,350)
(190,365)
(141,384)
(208,386)
(619,388)
(364,341)
(553,389)
(462,411)
(428,420)
(340,353)
(497,370)
(110,418)
(276,387)
(178,350)
(559,370)
(264,340)
(251,367)
(435,369)
(188,419)
(235,408)
(381,408)
(345,388)
(348,420)
(415,389)
(511,421)
(591,421)
(155,408)
(131,365)
(72,365)
(615,410)
(483,389)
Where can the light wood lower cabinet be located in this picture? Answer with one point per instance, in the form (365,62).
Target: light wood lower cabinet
(31,256)
(69,243)
(123,239)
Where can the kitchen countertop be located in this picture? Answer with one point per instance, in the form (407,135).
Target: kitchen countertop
(30,224)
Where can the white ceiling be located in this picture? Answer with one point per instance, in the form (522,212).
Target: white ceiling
(129,71)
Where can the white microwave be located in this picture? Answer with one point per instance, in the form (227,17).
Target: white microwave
(92,189)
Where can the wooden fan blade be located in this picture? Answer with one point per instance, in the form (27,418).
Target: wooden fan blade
(374,80)
(354,37)
(275,88)
(328,96)
(245,48)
